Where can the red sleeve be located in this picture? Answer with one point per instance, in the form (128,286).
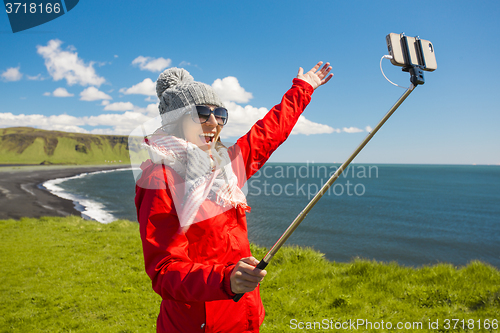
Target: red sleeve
(173,274)
(267,134)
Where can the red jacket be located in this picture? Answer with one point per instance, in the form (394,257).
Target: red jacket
(190,270)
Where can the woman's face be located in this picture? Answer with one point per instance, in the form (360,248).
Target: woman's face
(202,135)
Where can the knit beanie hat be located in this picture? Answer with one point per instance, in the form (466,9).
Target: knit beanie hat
(179,93)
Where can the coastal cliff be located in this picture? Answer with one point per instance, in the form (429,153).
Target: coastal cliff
(27,145)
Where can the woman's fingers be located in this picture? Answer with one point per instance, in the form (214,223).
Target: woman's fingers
(327,78)
(324,74)
(315,68)
(248,277)
(325,70)
(245,276)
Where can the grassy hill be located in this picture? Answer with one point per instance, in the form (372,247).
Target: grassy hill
(26,145)
(72,275)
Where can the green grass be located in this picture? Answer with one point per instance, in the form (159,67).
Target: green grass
(73,275)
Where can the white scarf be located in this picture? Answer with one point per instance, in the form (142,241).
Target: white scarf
(205,176)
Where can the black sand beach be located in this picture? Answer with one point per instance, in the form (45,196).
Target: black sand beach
(20,195)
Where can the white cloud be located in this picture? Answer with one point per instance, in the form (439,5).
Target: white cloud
(62,122)
(307,127)
(62,92)
(352,130)
(122,124)
(108,119)
(146,87)
(151,110)
(93,94)
(119,106)
(229,90)
(151,99)
(117,123)
(47,94)
(38,77)
(151,64)
(66,65)
(241,119)
(12,74)
(368,129)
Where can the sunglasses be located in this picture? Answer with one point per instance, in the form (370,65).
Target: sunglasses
(204,112)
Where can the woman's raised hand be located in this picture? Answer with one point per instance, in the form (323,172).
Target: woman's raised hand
(316,77)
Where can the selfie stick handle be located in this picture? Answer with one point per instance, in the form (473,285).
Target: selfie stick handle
(265,261)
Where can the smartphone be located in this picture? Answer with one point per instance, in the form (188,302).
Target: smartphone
(429,55)
(395,47)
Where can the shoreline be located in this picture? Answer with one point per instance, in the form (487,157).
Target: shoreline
(21,196)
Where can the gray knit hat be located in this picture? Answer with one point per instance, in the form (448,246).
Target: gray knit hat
(179,92)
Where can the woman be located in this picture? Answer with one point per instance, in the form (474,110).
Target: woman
(191,207)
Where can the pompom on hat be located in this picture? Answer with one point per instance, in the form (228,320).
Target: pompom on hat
(179,93)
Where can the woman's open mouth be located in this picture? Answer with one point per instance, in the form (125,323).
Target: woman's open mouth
(207,137)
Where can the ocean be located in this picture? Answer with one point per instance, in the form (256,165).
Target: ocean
(412,214)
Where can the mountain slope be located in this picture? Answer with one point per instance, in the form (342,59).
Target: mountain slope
(26,145)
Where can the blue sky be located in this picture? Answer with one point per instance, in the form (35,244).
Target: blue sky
(92,70)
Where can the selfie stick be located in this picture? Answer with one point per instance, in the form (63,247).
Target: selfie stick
(416,78)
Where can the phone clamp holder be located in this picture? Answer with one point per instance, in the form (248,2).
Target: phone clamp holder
(416,71)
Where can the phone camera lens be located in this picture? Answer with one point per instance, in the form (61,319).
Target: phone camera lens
(430,47)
